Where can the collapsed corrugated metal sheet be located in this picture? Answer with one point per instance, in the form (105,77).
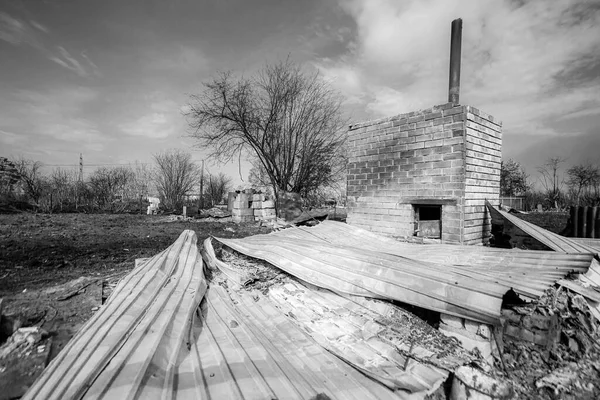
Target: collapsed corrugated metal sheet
(375,274)
(528,272)
(385,342)
(466,281)
(152,341)
(588,283)
(552,240)
(593,243)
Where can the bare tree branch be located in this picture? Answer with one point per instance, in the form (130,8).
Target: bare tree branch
(289,120)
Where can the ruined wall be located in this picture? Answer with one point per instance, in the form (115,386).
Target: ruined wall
(422,158)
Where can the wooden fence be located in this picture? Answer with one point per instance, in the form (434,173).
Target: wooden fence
(585,222)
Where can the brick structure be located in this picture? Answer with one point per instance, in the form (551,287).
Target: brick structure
(426,173)
(248,206)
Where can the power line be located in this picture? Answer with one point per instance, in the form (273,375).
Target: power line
(92,165)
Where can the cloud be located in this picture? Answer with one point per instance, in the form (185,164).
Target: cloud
(51,119)
(153,126)
(514,58)
(179,58)
(9,138)
(39,26)
(66,60)
(17,32)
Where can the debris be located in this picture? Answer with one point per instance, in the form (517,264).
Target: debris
(470,383)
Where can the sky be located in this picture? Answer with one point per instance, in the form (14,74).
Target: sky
(109,79)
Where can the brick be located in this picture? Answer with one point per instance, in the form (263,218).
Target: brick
(264,212)
(453,111)
(241,204)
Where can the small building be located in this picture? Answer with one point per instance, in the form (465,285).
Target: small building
(426,173)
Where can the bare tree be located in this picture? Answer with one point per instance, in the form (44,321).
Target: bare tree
(63,187)
(108,183)
(218,186)
(31,178)
(141,184)
(581,177)
(288,119)
(551,179)
(175,177)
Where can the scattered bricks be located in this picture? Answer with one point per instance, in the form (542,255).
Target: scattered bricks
(451,320)
(267,212)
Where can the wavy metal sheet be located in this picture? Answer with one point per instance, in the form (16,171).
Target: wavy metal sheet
(552,240)
(152,341)
(528,272)
(467,281)
(383,341)
(376,274)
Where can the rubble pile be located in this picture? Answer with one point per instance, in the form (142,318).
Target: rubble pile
(564,363)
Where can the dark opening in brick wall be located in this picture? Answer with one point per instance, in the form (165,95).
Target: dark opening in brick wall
(428,221)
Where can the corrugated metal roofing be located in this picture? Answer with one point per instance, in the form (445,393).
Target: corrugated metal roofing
(152,341)
(552,240)
(467,281)
(376,274)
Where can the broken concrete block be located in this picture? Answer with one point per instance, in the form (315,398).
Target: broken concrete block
(485,331)
(451,320)
(469,341)
(471,326)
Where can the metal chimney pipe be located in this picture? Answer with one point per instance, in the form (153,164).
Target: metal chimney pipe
(455,44)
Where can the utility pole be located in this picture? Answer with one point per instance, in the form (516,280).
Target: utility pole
(201,199)
(80,167)
(79,180)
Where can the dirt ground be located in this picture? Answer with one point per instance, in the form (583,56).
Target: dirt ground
(57,269)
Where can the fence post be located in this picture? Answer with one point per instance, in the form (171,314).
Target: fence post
(598,225)
(593,216)
(584,216)
(575,220)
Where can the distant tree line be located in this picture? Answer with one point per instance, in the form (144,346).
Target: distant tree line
(559,187)
(173,177)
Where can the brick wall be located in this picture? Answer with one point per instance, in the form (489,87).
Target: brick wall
(444,155)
